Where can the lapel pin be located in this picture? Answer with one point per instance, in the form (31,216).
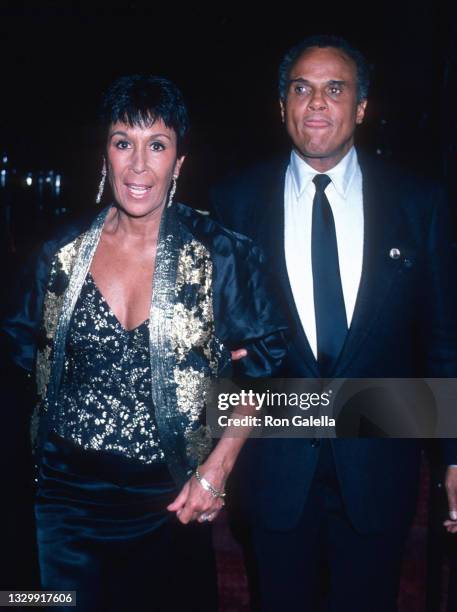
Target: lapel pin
(394,253)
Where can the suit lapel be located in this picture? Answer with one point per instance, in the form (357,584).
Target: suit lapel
(382,233)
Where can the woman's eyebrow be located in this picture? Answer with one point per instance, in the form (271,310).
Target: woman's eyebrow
(155,135)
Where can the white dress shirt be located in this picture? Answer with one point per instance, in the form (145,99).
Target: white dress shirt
(344,194)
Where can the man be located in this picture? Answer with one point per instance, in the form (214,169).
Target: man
(361,257)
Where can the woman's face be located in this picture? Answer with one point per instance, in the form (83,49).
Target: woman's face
(141,164)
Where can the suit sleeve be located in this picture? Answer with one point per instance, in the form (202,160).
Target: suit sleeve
(441,313)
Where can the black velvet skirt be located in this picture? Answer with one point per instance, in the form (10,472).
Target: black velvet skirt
(103,531)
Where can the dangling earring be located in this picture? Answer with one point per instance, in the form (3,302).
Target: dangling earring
(102,183)
(172,191)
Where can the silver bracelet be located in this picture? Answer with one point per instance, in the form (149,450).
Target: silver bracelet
(208,486)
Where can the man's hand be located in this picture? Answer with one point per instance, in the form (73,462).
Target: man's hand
(238,354)
(451,490)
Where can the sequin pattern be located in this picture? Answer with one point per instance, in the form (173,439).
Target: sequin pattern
(105,397)
(197,349)
(61,267)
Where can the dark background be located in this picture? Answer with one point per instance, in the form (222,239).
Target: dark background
(57,57)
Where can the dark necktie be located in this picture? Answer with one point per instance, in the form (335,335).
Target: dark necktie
(330,312)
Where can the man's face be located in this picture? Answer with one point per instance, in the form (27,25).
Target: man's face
(321,109)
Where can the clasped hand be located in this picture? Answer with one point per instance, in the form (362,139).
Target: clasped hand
(194,503)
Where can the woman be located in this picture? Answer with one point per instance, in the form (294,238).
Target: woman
(129,319)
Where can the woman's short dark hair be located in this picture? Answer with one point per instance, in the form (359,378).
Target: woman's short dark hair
(142,99)
(323,41)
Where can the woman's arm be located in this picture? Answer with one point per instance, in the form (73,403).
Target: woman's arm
(261,358)
(251,322)
(19,327)
(196,503)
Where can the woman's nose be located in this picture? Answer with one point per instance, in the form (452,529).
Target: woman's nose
(138,161)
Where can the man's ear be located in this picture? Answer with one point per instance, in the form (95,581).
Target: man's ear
(360,112)
(283,110)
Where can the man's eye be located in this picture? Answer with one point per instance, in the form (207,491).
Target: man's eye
(157,146)
(122,144)
(335,90)
(301,89)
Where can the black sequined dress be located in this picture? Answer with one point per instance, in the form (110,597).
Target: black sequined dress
(105,398)
(103,528)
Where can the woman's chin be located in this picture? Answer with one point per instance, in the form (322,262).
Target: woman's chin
(140,208)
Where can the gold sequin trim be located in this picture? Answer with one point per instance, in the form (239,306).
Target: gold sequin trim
(63,263)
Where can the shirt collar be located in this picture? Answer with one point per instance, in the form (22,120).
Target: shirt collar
(341,175)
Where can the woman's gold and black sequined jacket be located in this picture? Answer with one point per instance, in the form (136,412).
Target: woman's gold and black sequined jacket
(211,294)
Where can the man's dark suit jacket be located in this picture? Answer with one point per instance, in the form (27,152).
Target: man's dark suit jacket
(404,325)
